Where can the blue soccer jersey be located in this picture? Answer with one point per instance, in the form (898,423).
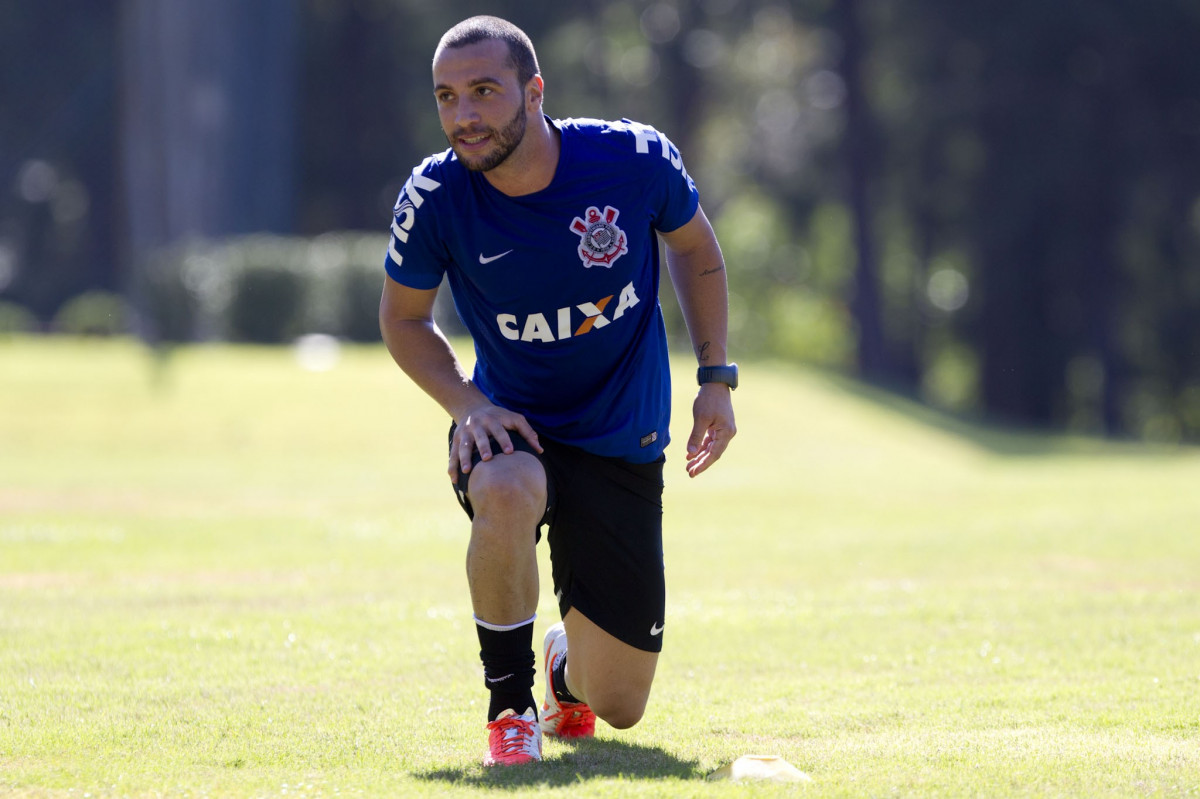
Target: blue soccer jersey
(559,288)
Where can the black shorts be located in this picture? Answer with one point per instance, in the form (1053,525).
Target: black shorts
(605,532)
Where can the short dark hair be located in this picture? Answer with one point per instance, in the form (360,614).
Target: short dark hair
(477,29)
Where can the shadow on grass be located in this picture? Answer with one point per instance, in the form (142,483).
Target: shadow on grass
(571,763)
(994,436)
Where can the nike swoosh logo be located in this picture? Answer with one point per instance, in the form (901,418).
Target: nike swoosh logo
(656,629)
(499,679)
(488,259)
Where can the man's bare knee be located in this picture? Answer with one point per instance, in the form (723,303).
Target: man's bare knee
(618,699)
(620,711)
(508,489)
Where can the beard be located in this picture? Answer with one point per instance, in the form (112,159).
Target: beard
(504,141)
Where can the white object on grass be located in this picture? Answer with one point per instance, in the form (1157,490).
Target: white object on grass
(760,767)
(317,352)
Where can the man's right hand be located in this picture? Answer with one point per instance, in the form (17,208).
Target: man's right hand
(475,430)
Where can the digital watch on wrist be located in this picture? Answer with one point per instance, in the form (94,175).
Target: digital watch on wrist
(718,374)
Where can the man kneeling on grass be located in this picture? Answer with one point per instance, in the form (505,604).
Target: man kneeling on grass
(548,232)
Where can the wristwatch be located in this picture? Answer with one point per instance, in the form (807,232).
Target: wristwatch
(718,374)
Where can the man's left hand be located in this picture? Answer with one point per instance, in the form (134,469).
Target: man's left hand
(713,427)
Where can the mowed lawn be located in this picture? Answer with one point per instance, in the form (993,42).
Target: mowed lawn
(224,575)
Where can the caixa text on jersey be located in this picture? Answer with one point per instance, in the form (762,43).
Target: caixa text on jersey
(566,322)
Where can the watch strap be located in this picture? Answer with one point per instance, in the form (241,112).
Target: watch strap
(727,374)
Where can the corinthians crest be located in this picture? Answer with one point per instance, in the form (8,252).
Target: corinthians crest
(602,241)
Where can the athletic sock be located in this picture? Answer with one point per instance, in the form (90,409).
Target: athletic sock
(508,665)
(559,680)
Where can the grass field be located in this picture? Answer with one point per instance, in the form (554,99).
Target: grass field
(223,575)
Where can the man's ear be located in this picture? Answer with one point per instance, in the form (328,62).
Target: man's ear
(534,90)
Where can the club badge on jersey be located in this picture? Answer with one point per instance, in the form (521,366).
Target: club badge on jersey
(602,241)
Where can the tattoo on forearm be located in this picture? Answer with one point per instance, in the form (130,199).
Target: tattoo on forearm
(713,271)
(703,351)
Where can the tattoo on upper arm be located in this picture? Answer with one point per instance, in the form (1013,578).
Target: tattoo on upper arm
(713,271)
(702,352)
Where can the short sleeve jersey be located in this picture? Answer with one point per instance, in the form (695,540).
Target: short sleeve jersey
(559,288)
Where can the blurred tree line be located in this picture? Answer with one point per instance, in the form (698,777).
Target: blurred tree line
(995,209)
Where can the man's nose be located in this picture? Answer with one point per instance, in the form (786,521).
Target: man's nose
(465,113)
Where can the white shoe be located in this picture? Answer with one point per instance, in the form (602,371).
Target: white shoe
(562,719)
(513,739)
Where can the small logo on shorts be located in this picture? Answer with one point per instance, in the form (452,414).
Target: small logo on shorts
(656,629)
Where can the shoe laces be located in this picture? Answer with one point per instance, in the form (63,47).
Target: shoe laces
(573,719)
(511,735)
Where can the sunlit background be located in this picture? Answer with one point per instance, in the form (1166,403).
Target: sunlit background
(992,208)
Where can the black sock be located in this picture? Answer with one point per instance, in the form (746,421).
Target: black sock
(559,681)
(508,666)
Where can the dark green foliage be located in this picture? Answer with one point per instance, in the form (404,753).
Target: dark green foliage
(360,303)
(168,306)
(93,313)
(267,289)
(15,318)
(267,303)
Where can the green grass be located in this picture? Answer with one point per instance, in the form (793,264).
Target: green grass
(221,575)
